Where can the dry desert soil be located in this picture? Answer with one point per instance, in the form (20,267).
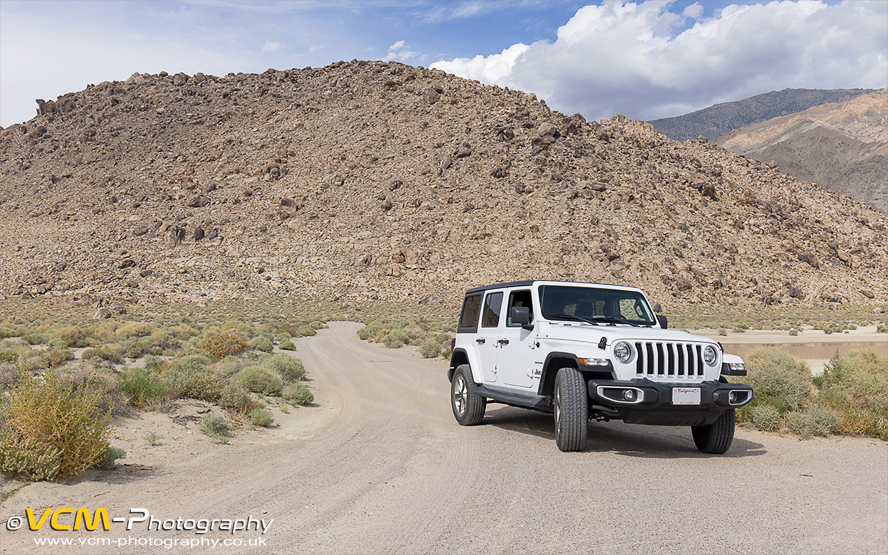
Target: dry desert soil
(378,465)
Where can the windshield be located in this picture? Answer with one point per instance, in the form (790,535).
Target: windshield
(607,306)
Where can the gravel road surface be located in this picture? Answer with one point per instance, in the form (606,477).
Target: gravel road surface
(381,466)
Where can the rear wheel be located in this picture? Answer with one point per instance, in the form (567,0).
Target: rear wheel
(716,438)
(571,410)
(468,407)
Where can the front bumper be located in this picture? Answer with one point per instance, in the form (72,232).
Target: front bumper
(652,402)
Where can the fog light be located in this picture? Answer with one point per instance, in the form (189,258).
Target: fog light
(732,398)
(629,395)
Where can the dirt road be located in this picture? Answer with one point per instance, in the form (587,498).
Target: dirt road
(380,466)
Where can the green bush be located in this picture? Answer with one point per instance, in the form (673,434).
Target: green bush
(856,388)
(45,415)
(142,385)
(215,427)
(190,377)
(235,397)
(287,345)
(72,336)
(289,368)
(261,417)
(825,420)
(778,379)
(261,343)
(297,394)
(766,418)
(9,355)
(395,339)
(801,424)
(259,380)
(54,357)
(430,348)
(109,457)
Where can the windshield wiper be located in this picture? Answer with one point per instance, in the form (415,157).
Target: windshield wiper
(572,317)
(618,321)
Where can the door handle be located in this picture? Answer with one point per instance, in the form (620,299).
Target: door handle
(503,341)
(480,341)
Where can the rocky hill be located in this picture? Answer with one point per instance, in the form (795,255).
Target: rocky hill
(372,180)
(842,147)
(721,119)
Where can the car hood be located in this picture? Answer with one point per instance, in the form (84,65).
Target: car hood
(587,333)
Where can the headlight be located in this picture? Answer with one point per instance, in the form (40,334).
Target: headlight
(623,352)
(709,355)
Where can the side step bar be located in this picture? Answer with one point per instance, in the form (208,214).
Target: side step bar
(535,402)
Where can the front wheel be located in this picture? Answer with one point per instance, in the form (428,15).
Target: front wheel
(715,438)
(468,407)
(571,410)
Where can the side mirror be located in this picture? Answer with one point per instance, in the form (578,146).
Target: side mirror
(519,315)
(664,323)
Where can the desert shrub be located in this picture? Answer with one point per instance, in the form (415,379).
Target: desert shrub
(45,414)
(778,379)
(261,343)
(142,385)
(133,329)
(229,366)
(766,418)
(109,457)
(430,348)
(189,376)
(134,349)
(261,417)
(221,345)
(856,388)
(234,396)
(287,345)
(801,424)
(183,331)
(72,336)
(9,355)
(289,368)
(825,420)
(395,339)
(259,380)
(215,427)
(297,394)
(8,375)
(370,331)
(55,357)
(33,338)
(153,362)
(413,332)
(300,329)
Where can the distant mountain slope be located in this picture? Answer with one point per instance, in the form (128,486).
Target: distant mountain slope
(842,147)
(721,119)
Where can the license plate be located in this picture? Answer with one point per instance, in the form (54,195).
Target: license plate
(685,395)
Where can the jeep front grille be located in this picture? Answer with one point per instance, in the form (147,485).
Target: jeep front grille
(669,360)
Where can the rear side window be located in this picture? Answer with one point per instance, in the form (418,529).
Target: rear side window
(468,320)
(493,304)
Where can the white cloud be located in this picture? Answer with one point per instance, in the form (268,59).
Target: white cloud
(400,52)
(270,46)
(646,62)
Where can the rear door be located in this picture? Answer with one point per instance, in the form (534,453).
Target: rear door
(516,363)
(488,334)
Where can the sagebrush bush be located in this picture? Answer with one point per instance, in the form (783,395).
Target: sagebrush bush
(775,374)
(289,368)
(133,329)
(215,427)
(224,344)
(142,385)
(395,339)
(430,348)
(854,386)
(189,376)
(261,343)
(72,336)
(8,355)
(825,420)
(55,357)
(287,345)
(766,418)
(259,380)
(261,417)
(235,397)
(801,424)
(297,394)
(109,457)
(47,411)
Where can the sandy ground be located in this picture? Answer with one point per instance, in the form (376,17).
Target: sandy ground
(379,465)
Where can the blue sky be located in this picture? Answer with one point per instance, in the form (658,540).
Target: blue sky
(644,59)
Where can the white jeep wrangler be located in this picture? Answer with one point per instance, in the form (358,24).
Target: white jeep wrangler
(583,351)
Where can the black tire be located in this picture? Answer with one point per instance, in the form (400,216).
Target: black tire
(571,410)
(468,407)
(715,438)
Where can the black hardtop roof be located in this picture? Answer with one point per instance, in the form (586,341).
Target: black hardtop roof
(529,282)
